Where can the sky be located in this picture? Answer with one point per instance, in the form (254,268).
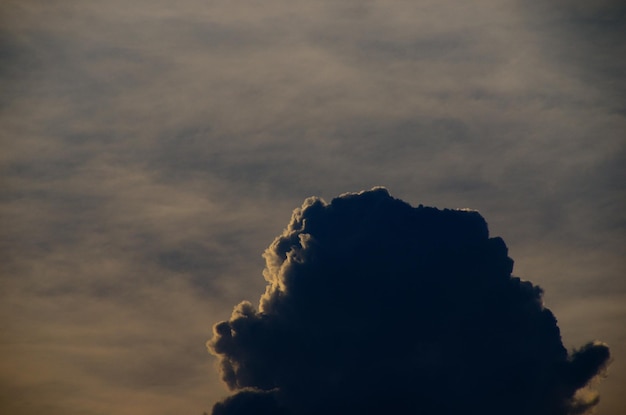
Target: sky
(152,151)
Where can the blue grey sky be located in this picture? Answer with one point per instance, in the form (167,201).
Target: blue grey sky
(151,150)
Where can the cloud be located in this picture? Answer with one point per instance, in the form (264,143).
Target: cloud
(142,141)
(374,306)
(250,401)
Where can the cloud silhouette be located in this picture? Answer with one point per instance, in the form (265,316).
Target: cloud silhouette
(374,306)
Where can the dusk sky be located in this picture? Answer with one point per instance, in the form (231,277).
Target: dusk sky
(153,150)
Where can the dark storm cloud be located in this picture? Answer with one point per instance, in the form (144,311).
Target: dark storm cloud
(374,306)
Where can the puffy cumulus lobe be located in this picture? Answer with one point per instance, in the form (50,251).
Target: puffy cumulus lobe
(374,307)
(250,401)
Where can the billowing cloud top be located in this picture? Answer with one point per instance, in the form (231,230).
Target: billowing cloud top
(375,307)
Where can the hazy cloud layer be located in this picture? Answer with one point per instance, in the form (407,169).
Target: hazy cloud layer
(373,306)
(151,150)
